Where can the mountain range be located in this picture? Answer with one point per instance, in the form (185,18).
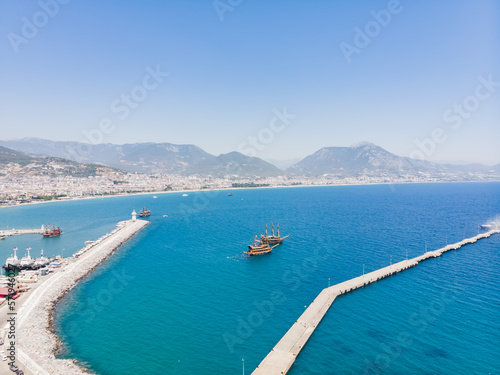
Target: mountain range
(369,159)
(48,166)
(149,158)
(364,159)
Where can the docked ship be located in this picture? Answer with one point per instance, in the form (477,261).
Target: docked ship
(52,232)
(41,262)
(259,248)
(12,261)
(27,261)
(145,212)
(273,239)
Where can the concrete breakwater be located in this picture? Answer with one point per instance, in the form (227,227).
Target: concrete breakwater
(283,355)
(15,232)
(37,341)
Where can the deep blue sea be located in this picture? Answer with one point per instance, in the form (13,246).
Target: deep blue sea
(180,298)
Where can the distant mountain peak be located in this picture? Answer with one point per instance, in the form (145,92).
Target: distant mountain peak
(364,144)
(150,157)
(361,159)
(52,166)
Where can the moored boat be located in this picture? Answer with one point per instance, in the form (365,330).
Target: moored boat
(26,261)
(42,261)
(12,261)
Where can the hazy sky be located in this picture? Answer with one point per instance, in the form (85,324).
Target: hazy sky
(294,76)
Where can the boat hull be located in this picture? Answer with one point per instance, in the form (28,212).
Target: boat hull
(259,250)
(273,240)
(54,232)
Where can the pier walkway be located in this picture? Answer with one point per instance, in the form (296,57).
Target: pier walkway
(14,232)
(283,355)
(36,340)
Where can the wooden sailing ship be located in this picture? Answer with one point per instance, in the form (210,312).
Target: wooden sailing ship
(273,239)
(263,246)
(145,212)
(259,248)
(51,232)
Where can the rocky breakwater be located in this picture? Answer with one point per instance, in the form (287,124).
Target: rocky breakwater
(37,342)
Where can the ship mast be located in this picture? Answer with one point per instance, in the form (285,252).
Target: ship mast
(278,229)
(272,226)
(266,230)
(15,253)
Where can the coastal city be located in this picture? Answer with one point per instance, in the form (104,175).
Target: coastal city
(17,188)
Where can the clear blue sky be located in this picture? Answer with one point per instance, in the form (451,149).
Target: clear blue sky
(226,77)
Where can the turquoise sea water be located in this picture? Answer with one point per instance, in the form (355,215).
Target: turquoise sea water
(179,298)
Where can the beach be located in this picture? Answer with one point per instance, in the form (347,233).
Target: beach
(223,189)
(37,342)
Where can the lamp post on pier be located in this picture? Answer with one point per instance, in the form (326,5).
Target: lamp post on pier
(243,362)
(328,282)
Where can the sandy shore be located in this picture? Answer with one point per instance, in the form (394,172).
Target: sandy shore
(37,341)
(242,188)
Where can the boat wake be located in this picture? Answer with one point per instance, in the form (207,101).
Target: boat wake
(492,223)
(237,257)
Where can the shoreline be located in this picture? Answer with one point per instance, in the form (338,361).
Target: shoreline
(37,342)
(242,188)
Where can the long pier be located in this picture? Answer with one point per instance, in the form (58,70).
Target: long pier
(283,355)
(36,341)
(14,232)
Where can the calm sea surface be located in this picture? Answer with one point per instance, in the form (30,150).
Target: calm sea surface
(180,298)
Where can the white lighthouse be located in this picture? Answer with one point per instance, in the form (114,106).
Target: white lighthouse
(134,215)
